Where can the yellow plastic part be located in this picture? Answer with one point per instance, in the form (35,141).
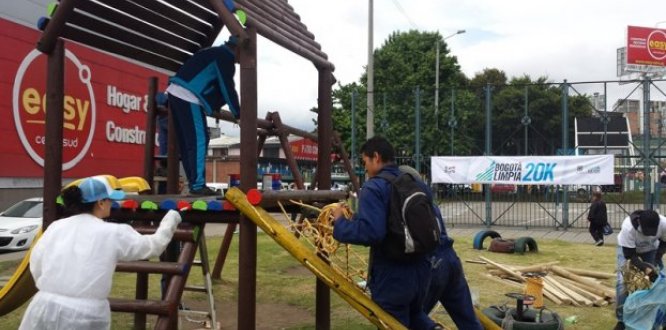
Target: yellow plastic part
(134,184)
(486,322)
(351,293)
(113,182)
(21,286)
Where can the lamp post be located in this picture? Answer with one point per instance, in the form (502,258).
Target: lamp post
(437,81)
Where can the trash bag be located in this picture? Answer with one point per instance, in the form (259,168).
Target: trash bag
(645,309)
(607,229)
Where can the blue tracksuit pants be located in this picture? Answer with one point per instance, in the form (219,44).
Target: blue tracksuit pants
(192,132)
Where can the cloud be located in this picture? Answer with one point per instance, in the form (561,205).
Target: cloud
(574,40)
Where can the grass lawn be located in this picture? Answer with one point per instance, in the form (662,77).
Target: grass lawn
(286,299)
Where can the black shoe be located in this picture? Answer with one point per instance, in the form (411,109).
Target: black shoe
(205,191)
(619,326)
(599,242)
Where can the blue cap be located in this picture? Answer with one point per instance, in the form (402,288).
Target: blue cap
(97,188)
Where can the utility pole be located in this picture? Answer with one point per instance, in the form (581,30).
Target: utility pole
(437,82)
(370,116)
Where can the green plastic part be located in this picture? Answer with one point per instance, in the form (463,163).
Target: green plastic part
(51,8)
(149,205)
(59,200)
(200,205)
(241,16)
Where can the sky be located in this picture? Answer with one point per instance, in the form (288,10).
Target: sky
(573,40)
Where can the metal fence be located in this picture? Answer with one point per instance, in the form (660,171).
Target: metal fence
(638,156)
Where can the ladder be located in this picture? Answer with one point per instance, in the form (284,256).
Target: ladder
(207,287)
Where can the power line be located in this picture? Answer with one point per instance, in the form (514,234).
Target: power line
(404,13)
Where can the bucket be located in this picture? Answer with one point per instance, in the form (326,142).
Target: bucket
(272,181)
(234,180)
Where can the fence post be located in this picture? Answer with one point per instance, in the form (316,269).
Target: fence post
(565,151)
(489,139)
(647,182)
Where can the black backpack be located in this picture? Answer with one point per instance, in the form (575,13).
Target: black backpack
(412,228)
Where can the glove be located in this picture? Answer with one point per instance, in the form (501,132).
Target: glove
(172,218)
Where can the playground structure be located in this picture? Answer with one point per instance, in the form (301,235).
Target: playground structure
(187,26)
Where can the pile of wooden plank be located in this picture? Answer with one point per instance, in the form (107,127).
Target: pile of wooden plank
(562,285)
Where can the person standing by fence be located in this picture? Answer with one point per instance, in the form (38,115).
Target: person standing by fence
(597,217)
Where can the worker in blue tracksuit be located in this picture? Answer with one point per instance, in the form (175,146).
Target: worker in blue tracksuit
(202,85)
(397,287)
(448,284)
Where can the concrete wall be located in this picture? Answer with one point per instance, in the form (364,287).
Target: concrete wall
(8,197)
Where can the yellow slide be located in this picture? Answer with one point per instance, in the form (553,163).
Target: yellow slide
(347,291)
(20,287)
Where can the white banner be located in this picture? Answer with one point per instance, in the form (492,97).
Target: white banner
(532,170)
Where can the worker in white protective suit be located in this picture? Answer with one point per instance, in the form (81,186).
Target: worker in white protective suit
(74,261)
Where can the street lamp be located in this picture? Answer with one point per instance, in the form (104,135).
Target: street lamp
(437,82)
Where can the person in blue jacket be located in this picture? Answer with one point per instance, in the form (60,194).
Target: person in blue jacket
(448,284)
(397,287)
(202,85)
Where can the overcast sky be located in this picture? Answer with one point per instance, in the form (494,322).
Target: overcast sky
(573,40)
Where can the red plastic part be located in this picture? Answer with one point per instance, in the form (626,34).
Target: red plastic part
(129,204)
(254,196)
(183,205)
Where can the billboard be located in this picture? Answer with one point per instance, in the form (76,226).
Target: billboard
(646,46)
(524,170)
(104,109)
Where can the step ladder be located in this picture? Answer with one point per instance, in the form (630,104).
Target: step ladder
(207,287)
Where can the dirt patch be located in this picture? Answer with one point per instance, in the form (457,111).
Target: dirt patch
(269,316)
(297,271)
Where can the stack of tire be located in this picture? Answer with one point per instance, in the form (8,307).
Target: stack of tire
(498,244)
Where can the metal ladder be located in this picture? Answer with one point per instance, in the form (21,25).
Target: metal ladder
(207,287)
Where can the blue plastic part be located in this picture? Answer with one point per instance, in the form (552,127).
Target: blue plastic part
(168,205)
(42,22)
(115,205)
(214,206)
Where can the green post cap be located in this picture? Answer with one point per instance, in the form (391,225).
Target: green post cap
(200,205)
(59,200)
(241,16)
(51,8)
(149,205)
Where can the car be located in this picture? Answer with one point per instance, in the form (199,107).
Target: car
(503,188)
(19,224)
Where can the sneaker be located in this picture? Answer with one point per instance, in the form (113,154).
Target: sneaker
(599,242)
(205,191)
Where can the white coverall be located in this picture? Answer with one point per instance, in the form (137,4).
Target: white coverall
(73,265)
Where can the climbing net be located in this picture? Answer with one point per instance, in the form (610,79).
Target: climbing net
(316,228)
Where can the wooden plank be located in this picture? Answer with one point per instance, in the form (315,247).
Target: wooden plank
(112,46)
(155,18)
(135,24)
(116,33)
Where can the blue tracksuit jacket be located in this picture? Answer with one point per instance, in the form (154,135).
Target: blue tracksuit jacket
(209,74)
(398,287)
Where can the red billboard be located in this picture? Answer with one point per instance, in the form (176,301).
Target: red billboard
(104,109)
(646,46)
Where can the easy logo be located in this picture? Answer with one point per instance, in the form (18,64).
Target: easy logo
(29,103)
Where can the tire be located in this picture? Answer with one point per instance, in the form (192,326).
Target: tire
(481,236)
(549,320)
(526,244)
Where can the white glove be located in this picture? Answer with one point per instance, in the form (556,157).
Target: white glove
(172,218)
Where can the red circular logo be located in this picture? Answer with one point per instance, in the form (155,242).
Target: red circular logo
(29,103)
(656,43)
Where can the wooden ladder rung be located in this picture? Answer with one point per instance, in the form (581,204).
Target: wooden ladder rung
(194,288)
(181,234)
(170,268)
(142,306)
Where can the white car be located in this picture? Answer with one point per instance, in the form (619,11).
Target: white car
(19,224)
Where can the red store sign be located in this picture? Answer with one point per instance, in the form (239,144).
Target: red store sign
(104,109)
